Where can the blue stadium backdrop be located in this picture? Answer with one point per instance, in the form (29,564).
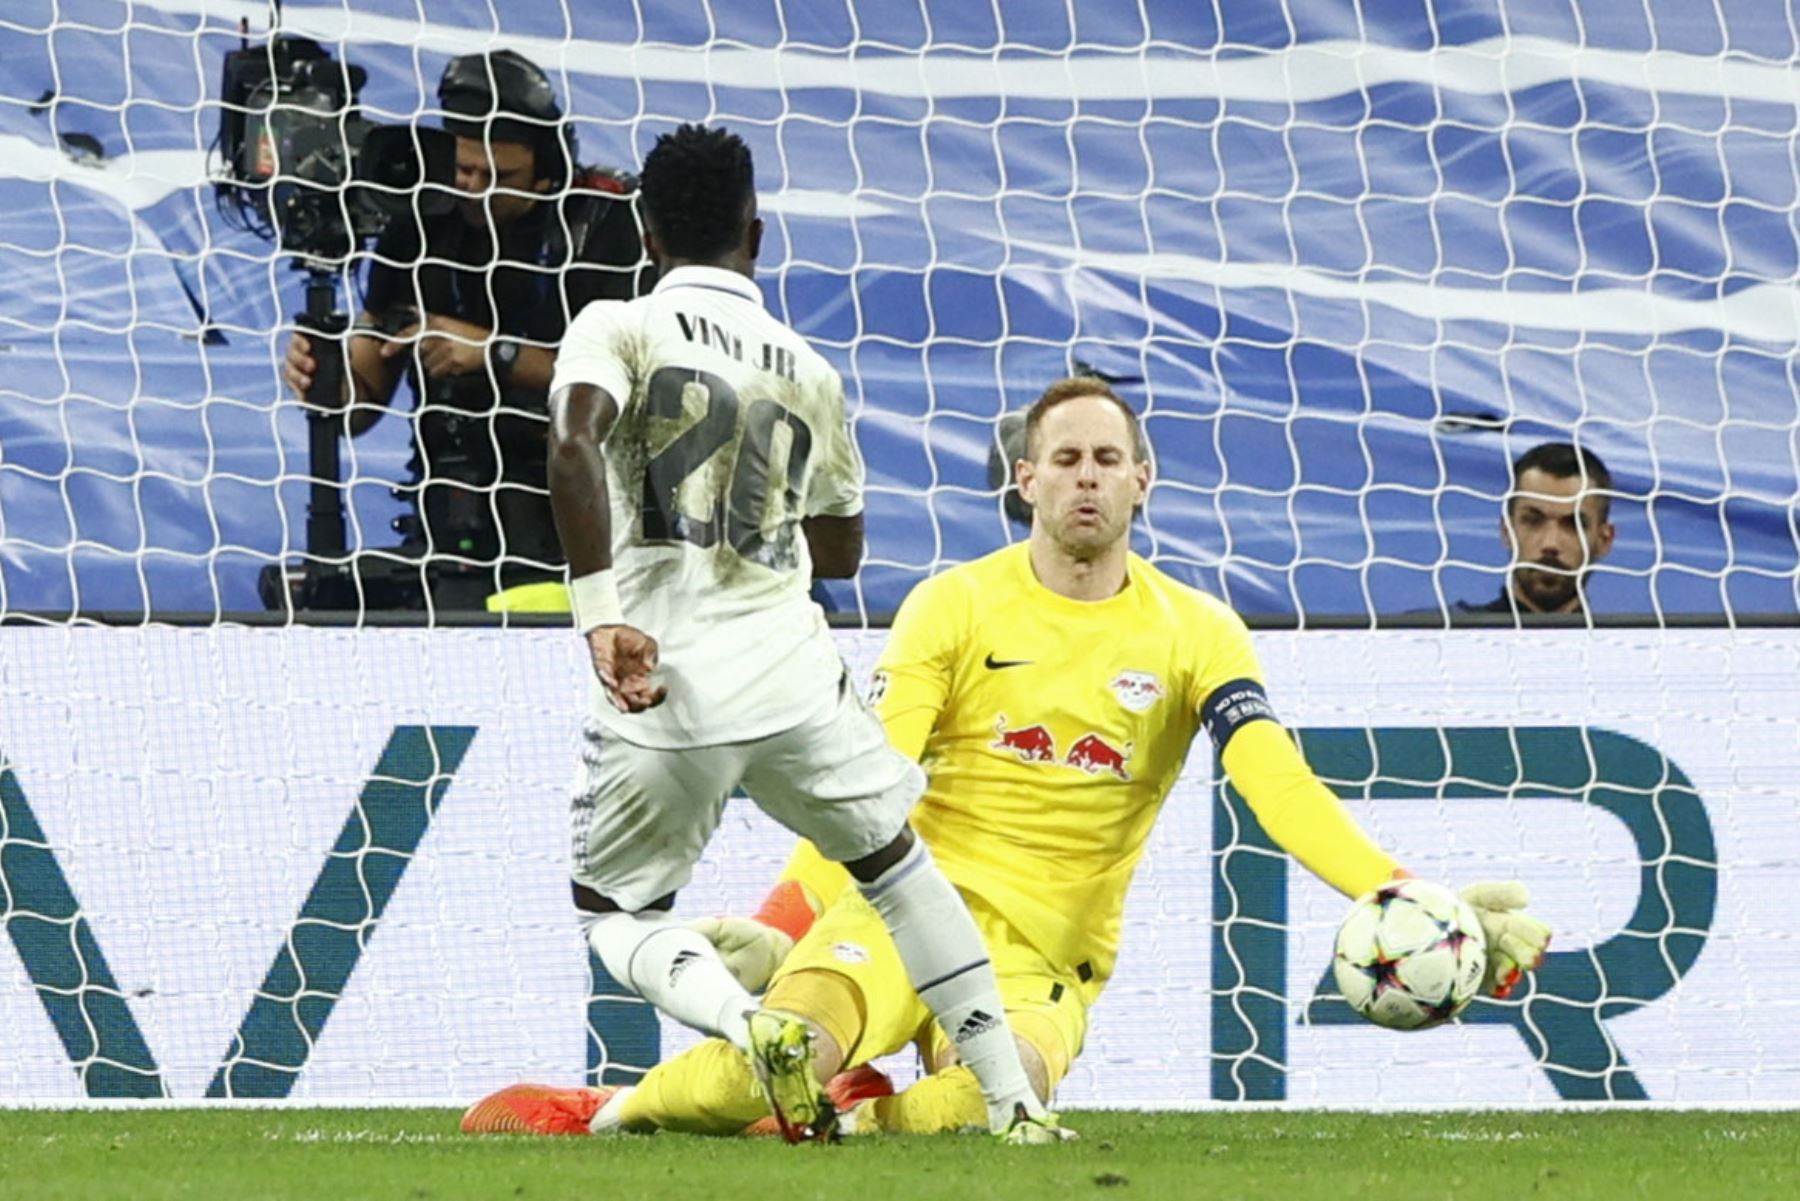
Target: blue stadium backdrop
(1356,261)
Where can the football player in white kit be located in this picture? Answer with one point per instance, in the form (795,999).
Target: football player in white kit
(700,466)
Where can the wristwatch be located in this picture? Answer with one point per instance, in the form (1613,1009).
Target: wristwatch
(503,355)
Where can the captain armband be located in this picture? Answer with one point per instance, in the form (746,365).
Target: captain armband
(1232,706)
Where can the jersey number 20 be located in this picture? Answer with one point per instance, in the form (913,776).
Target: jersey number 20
(735,510)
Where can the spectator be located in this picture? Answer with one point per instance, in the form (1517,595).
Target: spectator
(1556,527)
(468,307)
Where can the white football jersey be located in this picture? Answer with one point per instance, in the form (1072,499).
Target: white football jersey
(731,429)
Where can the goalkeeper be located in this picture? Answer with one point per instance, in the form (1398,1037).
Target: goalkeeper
(1052,691)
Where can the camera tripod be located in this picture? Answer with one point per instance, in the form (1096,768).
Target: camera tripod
(322,578)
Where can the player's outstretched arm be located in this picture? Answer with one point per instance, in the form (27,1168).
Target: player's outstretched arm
(581,416)
(1302,815)
(1309,822)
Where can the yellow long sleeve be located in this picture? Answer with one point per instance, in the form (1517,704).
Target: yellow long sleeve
(1300,813)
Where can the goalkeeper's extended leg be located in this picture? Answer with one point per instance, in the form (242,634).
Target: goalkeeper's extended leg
(712,1088)
(707,1089)
(680,972)
(948,1099)
(537,1109)
(948,965)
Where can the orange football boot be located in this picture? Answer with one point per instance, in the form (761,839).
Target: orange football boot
(535,1109)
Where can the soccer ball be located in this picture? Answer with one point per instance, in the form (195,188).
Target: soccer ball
(1410,955)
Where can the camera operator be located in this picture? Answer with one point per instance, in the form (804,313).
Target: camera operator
(469,307)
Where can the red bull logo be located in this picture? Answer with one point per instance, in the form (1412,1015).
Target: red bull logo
(1032,744)
(1137,690)
(1093,755)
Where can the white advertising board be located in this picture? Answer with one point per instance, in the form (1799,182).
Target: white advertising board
(197,900)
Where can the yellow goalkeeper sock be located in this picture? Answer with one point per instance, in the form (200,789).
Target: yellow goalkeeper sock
(707,1089)
(710,1088)
(950,1100)
(829,1000)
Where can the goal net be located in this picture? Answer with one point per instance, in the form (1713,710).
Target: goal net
(1349,262)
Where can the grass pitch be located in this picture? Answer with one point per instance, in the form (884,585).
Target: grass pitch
(418,1155)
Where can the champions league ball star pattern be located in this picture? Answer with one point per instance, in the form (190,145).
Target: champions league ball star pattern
(1410,955)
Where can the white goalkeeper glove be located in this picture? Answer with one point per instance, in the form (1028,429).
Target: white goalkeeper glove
(751,950)
(1516,941)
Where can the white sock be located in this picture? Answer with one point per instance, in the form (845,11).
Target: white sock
(675,969)
(607,1118)
(948,965)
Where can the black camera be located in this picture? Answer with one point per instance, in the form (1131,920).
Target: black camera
(304,167)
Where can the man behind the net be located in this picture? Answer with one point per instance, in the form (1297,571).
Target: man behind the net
(699,464)
(1556,525)
(1055,689)
(466,306)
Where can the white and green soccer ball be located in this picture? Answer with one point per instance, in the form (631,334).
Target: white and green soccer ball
(1410,955)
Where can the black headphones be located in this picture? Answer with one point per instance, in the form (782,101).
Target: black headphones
(479,92)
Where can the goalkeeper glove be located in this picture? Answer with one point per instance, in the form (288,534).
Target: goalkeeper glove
(1516,941)
(751,950)
(753,947)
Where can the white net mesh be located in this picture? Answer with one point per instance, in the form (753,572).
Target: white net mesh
(1348,273)
(1348,264)
(329,865)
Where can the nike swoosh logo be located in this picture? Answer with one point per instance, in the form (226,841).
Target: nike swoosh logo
(994,664)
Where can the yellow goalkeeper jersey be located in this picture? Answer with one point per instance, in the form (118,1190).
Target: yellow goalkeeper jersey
(1052,729)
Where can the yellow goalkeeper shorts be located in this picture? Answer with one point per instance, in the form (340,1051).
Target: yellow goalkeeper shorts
(1045,1006)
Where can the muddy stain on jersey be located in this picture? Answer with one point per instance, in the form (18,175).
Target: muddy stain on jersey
(704,496)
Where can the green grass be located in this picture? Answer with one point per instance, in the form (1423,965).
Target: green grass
(417,1155)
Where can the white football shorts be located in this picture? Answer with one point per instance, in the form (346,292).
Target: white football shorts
(641,816)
